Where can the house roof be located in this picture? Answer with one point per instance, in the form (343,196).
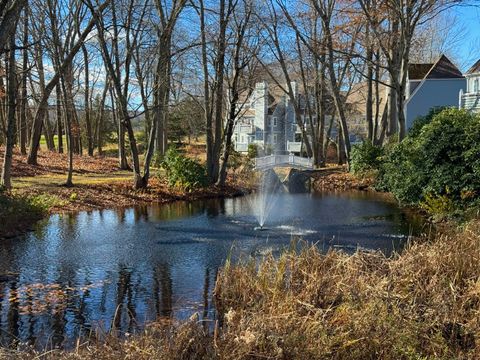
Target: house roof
(475,68)
(442,69)
(418,71)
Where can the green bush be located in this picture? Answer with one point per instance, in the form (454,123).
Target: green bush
(439,160)
(438,205)
(252,151)
(18,211)
(365,158)
(421,121)
(182,172)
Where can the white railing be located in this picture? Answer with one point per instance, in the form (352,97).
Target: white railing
(471,101)
(293,146)
(272,161)
(246,129)
(241,147)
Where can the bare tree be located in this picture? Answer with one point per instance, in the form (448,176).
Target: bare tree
(213,40)
(9,13)
(162,82)
(394,24)
(64,64)
(240,75)
(5,179)
(274,28)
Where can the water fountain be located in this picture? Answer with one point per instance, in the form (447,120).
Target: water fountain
(263,201)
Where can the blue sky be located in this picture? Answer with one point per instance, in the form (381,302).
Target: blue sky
(469,48)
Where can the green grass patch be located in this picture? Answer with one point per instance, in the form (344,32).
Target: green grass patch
(53,180)
(20,212)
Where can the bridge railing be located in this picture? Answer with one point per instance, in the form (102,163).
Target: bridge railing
(282,160)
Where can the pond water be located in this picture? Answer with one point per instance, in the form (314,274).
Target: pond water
(93,270)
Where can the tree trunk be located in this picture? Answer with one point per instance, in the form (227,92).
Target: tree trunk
(8,25)
(206,87)
(122,157)
(320,109)
(369,102)
(59,120)
(222,177)
(162,87)
(22,131)
(41,77)
(5,180)
(100,118)
(219,75)
(68,130)
(87,103)
(48,133)
(340,148)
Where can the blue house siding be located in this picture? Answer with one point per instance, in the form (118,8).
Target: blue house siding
(433,93)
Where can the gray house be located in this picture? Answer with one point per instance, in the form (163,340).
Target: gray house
(432,85)
(268,121)
(470,99)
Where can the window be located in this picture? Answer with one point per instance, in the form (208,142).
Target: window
(275,138)
(274,121)
(475,85)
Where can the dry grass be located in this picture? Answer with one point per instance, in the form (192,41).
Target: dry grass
(423,304)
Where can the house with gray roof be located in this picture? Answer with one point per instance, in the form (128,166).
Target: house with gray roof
(432,85)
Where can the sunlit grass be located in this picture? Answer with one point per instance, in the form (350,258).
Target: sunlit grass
(52,180)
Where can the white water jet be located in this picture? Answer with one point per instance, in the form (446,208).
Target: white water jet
(263,200)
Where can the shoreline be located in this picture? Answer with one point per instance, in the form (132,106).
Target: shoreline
(120,196)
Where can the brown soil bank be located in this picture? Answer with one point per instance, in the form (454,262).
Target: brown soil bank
(423,304)
(58,199)
(338,179)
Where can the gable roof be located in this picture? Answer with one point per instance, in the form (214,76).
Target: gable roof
(475,68)
(442,69)
(418,71)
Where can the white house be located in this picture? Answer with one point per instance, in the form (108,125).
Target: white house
(432,85)
(470,99)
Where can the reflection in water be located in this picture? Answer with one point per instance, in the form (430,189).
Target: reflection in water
(163,291)
(119,269)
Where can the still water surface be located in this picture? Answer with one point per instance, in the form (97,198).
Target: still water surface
(124,268)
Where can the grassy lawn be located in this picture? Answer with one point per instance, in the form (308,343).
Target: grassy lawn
(53,180)
(43,142)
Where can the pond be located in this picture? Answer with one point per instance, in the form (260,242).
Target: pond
(124,268)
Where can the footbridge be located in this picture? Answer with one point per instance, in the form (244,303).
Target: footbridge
(272,161)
